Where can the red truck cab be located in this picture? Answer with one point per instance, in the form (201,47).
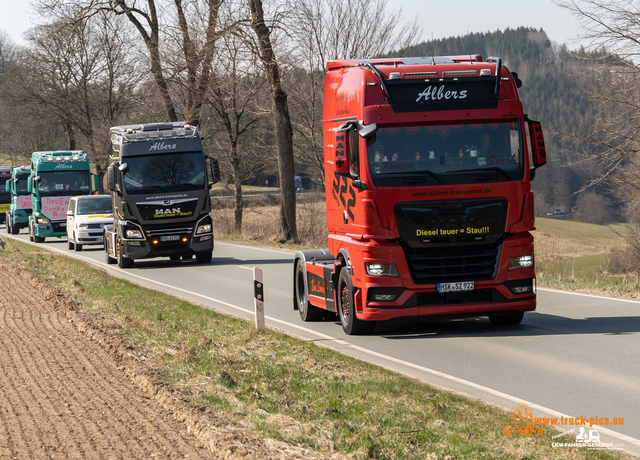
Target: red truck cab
(428,170)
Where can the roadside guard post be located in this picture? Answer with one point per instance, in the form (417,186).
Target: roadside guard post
(258,297)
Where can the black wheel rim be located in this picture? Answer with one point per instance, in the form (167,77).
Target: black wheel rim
(301,292)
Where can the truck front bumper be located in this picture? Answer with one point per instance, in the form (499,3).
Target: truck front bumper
(151,248)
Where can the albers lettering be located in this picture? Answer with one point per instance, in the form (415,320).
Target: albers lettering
(162,146)
(436,93)
(63,166)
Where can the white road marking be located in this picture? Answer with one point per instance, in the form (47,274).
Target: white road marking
(331,339)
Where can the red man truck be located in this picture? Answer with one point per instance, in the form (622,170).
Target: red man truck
(428,170)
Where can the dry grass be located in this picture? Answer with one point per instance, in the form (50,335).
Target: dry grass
(261,220)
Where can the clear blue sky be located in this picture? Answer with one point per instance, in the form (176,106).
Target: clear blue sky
(442,19)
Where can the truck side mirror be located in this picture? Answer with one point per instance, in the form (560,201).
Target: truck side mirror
(368,131)
(123,168)
(30,184)
(538,149)
(7,186)
(215,170)
(111,178)
(341,161)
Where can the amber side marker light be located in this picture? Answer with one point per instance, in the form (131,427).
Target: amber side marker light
(155,241)
(184,240)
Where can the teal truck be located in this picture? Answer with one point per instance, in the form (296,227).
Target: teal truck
(5,197)
(55,178)
(17,216)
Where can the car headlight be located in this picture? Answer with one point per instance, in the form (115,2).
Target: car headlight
(521,262)
(131,234)
(204,228)
(83,226)
(42,220)
(376,269)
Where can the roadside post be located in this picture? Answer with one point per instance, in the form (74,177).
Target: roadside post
(258,297)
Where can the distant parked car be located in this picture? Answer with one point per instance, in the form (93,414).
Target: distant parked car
(561,210)
(86,217)
(549,214)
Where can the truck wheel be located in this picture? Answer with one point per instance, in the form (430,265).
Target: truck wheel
(204,257)
(301,295)
(123,262)
(510,319)
(38,239)
(15,230)
(7,224)
(110,260)
(69,243)
(347,309)
(30,233)
(77,247)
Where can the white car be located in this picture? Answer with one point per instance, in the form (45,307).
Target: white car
(86,217)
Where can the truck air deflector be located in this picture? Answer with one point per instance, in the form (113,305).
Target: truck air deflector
(383,82)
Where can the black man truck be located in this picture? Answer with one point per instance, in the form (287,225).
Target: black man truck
(160,194)
(20,206)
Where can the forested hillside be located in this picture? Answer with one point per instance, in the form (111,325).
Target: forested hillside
(549,93)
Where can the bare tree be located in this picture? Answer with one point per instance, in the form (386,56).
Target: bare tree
(236,86)
(281,120)
(334,29)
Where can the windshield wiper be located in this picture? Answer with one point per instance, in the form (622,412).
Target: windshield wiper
(481,170)
(415,173)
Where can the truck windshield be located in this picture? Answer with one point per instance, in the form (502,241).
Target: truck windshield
(444,151)
(58,183)
(21,185)
(174,172)
(92,205)
(3,190)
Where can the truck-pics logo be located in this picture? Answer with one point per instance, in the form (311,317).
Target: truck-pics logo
(63,166)
(156,146)
(521,421)
(436,93)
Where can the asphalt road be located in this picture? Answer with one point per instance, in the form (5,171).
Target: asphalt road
(577,355)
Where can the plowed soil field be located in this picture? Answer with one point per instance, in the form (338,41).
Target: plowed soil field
(68,392)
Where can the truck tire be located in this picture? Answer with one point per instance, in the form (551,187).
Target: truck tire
(7,224)
(38,239)
(124,262)
(511,319)
(70,245)
(77,247)
(30,233)
(15,230)
(346,307)
(110,260)
(204,257)
(301,295)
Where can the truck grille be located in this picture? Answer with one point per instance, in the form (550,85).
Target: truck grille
(449,264)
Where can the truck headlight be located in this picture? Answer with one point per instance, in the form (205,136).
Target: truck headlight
(521,262)
(204,228)
(132,234)
(42,221)
(83,226)
(375,269)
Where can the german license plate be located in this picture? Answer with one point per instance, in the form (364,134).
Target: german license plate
(63,224)
(170,238)
(456,287)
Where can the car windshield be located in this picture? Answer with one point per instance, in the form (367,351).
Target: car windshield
(21,185)
(58,183)
(173,172)
(442,151)
(94,206)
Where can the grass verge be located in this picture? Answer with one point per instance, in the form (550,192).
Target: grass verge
(281,387)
